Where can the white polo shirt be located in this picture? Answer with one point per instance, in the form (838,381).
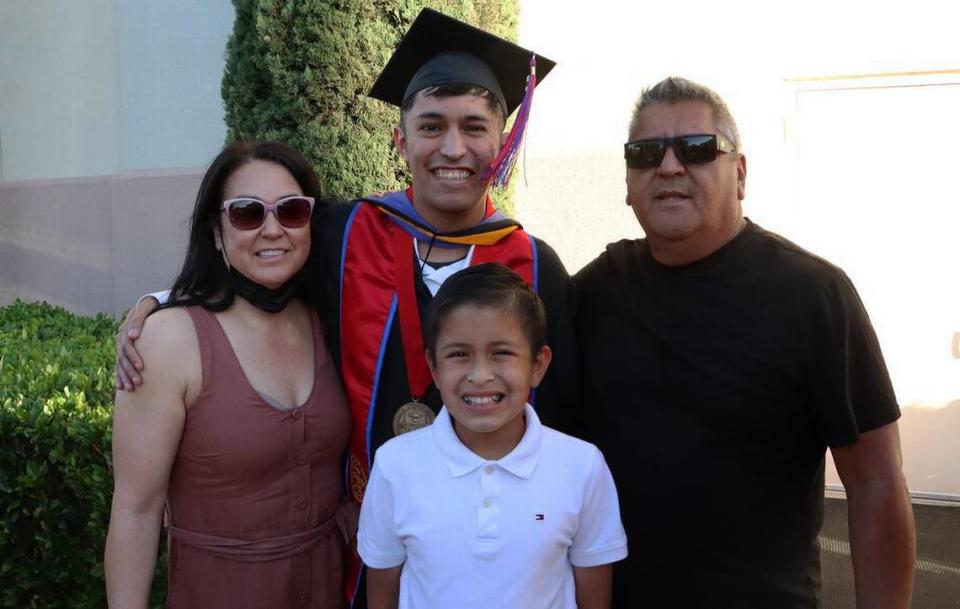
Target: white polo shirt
(476,533)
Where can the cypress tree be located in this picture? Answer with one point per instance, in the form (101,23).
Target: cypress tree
(298,71)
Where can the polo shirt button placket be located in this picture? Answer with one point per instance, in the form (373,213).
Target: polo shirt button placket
(489,516)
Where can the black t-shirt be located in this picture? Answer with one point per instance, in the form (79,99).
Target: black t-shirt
(713,390)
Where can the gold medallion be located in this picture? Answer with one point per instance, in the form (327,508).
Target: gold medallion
(412,415)
(358,479)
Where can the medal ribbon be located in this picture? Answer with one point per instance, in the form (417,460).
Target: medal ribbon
(411,328)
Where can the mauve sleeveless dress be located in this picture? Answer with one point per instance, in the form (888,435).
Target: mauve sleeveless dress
(254,491)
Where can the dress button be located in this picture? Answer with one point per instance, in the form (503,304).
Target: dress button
(297,414)
(302,594)
(301,460)
(487,502)
(489,469)
(302,504)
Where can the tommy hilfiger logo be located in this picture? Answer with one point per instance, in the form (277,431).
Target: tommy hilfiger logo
(538,516)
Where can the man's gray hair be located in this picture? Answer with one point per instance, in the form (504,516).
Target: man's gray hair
(675,89)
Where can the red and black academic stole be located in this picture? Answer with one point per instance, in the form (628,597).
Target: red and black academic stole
(413,414)
(368,305)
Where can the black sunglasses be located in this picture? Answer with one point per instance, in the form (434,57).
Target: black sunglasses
(691,149)
(247,213)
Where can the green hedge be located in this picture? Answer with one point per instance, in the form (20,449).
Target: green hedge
(56,395)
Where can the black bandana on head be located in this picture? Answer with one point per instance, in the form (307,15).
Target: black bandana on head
(271,300)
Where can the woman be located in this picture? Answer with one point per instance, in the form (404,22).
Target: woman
(237,435)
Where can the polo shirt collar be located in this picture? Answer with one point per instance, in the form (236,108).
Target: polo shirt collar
(520,462)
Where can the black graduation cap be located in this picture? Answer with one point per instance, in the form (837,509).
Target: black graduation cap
(440,50)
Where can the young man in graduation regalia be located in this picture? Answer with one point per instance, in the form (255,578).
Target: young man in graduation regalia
(455,86)
(385,256)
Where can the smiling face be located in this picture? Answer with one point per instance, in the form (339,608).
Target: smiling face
(687,212)
(484,369)
(447,142)
(271,254)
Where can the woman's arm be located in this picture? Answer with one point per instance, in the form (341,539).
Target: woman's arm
(146,432)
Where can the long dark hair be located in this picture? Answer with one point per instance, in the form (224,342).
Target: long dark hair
(203,278)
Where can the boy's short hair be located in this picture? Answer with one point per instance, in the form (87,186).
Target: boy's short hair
(489,285)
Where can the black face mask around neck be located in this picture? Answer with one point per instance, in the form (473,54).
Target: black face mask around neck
(271,300)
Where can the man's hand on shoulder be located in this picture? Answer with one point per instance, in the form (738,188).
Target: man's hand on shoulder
(129,364)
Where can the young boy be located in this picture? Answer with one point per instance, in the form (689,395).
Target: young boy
(487,507)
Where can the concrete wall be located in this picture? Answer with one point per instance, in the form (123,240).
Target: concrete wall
(170,66)
(576,204)
(103,103)
(93,244)
(104,86)
(59,100)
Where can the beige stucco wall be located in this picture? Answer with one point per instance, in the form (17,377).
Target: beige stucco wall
(577,205)
(105,86)
(93,244)
(100,103)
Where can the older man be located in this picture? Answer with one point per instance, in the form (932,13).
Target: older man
(720,362)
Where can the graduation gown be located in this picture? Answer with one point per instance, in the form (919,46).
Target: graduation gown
(555,400)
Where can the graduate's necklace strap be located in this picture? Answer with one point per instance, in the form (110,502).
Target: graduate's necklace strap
(411,328)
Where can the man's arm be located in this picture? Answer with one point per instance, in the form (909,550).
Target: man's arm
(593,585)
(383,588)
(882,535)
